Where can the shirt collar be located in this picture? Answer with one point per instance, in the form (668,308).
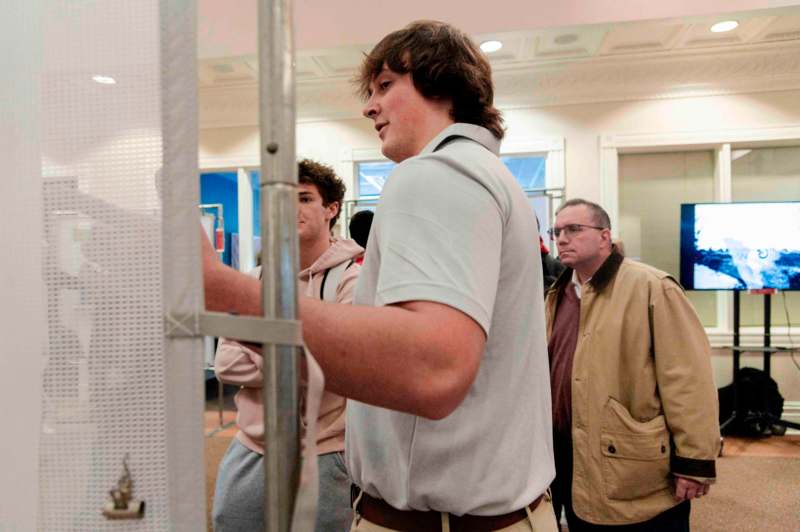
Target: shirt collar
(577,284)
(479,134)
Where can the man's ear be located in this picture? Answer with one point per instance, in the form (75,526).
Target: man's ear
(333,209)
(607,237)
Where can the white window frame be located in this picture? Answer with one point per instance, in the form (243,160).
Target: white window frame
(722,142)
(551,146)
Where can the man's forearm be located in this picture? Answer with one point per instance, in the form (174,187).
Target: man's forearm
(418,358)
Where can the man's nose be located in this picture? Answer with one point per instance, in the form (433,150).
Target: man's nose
(370,109)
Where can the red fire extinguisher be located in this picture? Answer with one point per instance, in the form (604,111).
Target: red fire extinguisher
(219,236)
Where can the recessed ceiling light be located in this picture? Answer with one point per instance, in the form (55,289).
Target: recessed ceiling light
(566,38)
(105,80)
(491,46)
(725,25)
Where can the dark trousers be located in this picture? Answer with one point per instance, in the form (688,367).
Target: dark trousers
(676,519)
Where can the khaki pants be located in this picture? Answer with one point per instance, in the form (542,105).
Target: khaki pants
(542,519)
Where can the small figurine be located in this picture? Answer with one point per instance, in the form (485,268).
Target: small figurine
(122,506)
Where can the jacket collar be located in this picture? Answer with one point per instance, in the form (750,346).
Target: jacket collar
(601,277)
(607,271)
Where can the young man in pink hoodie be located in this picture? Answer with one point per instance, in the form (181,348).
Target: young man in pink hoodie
(328,272)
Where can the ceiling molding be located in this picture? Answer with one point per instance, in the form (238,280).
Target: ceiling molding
(654,59)
(230,28)
(762,68)
(594,81)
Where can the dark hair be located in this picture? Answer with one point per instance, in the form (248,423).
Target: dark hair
(599,214)
(328,184)
(444,64)
(359,227)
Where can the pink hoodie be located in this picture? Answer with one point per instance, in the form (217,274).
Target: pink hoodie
(236,364)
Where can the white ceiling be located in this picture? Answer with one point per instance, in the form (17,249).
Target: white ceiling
(528,48)
(536,66)
(228,27)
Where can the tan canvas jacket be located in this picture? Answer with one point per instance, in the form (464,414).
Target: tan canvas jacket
(644,404)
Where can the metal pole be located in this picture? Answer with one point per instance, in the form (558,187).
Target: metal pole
(279,259)
(767,332)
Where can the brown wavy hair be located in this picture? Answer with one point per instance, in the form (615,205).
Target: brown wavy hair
(322,176)
(444,63)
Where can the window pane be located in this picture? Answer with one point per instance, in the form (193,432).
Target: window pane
(651,189)
(529,170)
(541,207)
(372,176)
(767,174)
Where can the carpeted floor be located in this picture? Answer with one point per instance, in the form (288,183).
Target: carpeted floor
(753,493)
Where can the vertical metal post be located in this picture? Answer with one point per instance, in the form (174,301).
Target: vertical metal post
(736,353)
(279,259)
(767,332)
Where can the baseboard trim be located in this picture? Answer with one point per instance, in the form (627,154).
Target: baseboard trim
(791,412)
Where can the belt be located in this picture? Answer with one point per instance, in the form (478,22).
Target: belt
(379,512)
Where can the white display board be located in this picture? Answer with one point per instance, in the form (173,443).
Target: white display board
(104,128)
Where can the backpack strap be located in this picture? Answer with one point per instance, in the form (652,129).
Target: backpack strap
(331,279)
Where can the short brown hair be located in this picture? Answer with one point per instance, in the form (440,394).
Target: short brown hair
(328,184)
(444,64)
(599,214)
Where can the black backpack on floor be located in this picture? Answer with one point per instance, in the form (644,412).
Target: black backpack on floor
(760,404)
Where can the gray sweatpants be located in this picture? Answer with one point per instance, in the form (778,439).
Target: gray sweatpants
(239,493)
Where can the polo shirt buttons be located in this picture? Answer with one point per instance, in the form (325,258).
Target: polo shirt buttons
(663,449)
(612,449)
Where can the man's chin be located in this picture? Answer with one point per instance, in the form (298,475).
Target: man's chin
(569,263)
(394,153)
(387,152)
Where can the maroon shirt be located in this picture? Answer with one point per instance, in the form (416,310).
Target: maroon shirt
(561,349)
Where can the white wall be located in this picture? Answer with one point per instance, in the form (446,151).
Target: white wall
(323,141)
(580,125)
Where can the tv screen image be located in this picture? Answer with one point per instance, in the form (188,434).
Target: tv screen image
(740,246)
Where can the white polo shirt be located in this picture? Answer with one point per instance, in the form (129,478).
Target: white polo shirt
(454,227)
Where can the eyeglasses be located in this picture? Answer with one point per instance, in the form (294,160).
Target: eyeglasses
(570,230)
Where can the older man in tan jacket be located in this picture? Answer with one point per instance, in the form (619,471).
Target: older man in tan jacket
(635,414)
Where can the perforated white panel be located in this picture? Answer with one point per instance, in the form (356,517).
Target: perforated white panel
(104,392)
(22,302)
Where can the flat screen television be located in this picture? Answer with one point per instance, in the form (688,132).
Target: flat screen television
(740,246)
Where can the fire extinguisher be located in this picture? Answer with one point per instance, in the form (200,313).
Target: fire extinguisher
(219,236)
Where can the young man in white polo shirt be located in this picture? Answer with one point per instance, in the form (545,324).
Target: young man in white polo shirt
(443,355)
